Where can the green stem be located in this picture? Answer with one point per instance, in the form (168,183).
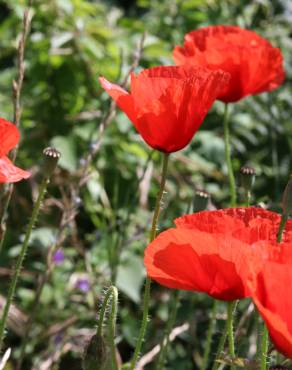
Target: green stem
(228,157)
(220,347)
(146,298)
(247,198)
(264,349)
(20,259)
(212,324)
(230,311)
(170,323)
(112,293)
(283,221)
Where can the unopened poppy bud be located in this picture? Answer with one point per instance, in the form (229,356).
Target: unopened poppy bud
(247,177)
(287,198)
(97,356)
(201,200)
(52,157)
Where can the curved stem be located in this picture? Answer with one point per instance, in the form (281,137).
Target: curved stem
(264,348)
(228,157)
(170,323)
(20,259)
(146,298)
(212,323)
(230,311)
(112,293)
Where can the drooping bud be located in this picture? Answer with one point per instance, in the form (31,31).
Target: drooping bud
(51,158)
(97,355)
(247,177)
(201,200)
(287,198)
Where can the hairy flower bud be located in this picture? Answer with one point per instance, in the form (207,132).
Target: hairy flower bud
(97,355)
(51,158)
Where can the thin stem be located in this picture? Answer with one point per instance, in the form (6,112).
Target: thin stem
(247,198)
(264,349)
(230,311)
(21,256)
(146,298)
(212,324)
(283,221)
(220,347)
(228,157)
(112,327)
(170,323)
(112,293)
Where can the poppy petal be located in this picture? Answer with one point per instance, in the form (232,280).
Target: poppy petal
(10,173)
(123,99)
(168,100)
(254,64)
(272,297)
(197,261)
(9,136)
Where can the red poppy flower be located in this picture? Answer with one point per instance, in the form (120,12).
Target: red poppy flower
(271,291)
(254,64)
(9,137)
(168,104)
(213,251)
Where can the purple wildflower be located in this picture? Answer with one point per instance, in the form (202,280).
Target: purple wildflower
(83,285)
(58,257)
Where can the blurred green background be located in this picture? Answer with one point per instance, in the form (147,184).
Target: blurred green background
(72,43)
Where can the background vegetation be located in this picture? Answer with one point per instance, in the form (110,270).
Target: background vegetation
(101,222)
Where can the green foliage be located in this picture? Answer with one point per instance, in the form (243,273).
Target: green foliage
(71,43)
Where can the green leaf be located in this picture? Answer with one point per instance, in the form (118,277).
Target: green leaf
(130,277)
(67,148)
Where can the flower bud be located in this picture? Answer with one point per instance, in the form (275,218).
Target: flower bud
(287,198)
(247,177)
(201,200)
(51,158)
(97,355)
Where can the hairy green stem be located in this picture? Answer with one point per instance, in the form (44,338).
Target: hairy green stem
(248,198)
(146,298)
(230,311)
(228,157)
(21,257)
(220,347)
(264,348)
(283,221)
(212,324)
(165,340)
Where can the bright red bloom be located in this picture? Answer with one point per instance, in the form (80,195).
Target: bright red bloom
(254,64)
(271,292)
(9,137)
(270,289)
(168,104)
(213,251)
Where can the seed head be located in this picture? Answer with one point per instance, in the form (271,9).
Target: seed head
(201,200)
(51,158)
